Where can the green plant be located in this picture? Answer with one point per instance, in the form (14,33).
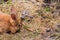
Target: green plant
(9,2)
(47,9)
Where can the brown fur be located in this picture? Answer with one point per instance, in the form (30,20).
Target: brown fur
(8,22)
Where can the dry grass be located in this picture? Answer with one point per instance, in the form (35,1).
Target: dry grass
(43,25)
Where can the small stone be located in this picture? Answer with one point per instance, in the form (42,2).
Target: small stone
(48,30)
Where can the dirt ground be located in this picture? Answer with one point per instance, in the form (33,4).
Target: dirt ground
(42,23)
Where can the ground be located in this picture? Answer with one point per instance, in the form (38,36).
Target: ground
(43,22)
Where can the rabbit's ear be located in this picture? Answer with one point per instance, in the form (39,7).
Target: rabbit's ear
(13,13)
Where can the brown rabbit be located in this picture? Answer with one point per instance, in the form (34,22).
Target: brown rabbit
(9,22)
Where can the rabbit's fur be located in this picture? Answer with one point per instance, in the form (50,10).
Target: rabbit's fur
(9,22)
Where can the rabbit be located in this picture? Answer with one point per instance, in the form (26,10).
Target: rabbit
(10,22)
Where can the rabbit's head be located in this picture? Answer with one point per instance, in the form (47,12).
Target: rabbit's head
(15,17)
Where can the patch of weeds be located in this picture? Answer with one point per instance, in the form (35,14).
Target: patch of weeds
(9,2)
(47,9)
(39,12)
(3,1)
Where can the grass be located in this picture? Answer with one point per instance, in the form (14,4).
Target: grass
(9,2)
(39,12)
(24,35)
(47,9)
(26,26)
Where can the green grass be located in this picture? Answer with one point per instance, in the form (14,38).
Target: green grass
(9,2)
(47,9)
